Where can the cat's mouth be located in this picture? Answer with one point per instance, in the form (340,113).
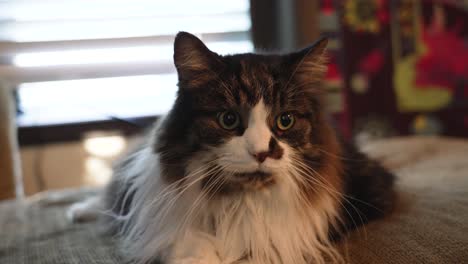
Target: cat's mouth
(243,181)
(253,176)
(253,180)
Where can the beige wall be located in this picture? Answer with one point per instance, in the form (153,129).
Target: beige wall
(65,165)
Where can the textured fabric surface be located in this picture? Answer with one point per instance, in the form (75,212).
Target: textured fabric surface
(31,234)
(430,225)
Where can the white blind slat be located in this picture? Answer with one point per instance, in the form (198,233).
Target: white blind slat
(73,48)
(52,10)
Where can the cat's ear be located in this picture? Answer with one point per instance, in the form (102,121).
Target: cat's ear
(192,59)
(309,65)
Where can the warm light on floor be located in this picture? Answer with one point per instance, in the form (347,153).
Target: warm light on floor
(98,171)
(102,150)
(105,147)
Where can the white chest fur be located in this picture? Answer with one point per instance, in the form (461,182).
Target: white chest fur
(269,226)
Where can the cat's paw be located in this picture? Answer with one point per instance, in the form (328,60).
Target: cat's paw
(88,210)
(62,197)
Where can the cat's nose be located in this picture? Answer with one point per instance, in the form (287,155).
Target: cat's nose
(261,156)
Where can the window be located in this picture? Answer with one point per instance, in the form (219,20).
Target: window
(77,60)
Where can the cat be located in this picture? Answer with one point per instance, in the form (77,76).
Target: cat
(245,168)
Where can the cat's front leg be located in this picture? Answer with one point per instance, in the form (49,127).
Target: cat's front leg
(195,248)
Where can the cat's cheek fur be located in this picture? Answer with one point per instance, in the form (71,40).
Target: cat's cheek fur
(233,156)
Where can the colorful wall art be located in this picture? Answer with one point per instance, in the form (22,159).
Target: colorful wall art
(406,64)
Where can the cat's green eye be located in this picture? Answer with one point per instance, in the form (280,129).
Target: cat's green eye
(228,120)
(285,121)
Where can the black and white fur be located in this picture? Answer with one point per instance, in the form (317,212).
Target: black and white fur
(182,195)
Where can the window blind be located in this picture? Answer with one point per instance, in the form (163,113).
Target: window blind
(80,56)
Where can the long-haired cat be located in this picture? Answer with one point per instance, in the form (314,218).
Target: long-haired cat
(245,167)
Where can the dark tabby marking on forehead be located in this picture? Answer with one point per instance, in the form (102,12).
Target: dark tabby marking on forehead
(331,186)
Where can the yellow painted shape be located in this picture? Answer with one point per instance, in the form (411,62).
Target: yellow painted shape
(413,98)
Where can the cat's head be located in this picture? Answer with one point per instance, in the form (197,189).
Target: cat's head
(245,121)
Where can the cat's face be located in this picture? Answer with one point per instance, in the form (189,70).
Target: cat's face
(243,121)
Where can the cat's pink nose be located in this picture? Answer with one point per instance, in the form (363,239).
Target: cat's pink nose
(261,156)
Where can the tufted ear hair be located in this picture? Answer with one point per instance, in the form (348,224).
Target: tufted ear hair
(309,65)
(192,59)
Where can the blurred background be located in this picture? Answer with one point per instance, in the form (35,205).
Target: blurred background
(79,79)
